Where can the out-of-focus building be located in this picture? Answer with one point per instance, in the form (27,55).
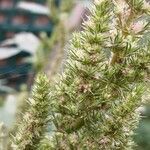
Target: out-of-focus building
(21,22)
(15,59)
(30,16)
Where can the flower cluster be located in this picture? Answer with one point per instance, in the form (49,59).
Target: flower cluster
(94,103)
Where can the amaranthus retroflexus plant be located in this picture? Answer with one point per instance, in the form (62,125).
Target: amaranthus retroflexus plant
(34,122)
(95,102)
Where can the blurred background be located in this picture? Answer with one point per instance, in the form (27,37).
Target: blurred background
(33,36)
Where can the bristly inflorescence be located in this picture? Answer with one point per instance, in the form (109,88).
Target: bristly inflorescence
(96,100)
(94,104)
(34,122)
